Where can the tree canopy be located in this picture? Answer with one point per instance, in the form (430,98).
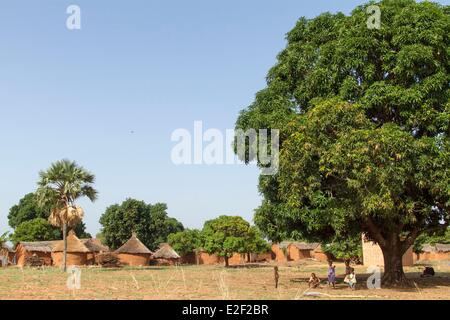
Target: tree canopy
(28,210)
(35,230)
(364,120)
(227,235)
(150,222)
(187,241)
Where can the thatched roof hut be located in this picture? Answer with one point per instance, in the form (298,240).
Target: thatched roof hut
(6,255)
(436,251)
(166,255)
(42,249)
(293,250)
(165,251)
(134,252)
(301,250)
(76,251)
(95,247)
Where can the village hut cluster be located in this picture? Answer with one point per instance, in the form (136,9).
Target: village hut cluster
(85,252)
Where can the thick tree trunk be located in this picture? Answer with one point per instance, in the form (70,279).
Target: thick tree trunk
(394,275)
(64,264)
(226,262)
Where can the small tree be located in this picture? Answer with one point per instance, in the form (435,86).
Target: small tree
(186,242)
(225,236)
(255,243)
(59,187)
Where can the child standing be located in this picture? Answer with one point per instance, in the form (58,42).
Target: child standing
(331,274)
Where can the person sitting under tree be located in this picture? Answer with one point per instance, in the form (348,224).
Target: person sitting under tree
(350,279)
(314,281)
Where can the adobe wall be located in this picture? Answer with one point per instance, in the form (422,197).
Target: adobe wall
(21,255)
(209,259)
(295,254)
(134,260)
(373,256)
(73,258)
(279,253)
(433,256)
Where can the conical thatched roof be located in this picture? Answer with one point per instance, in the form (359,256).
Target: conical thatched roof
(165,251)
(73,244)
(95,245)
(133,245)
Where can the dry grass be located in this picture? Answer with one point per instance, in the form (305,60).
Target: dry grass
(207,282)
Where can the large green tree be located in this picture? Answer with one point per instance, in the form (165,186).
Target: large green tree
(364,120)
(27,210)
(59,188)
(150,222)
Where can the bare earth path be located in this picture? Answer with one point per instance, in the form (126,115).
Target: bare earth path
(208,282)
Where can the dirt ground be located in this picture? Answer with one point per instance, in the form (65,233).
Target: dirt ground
(210,282)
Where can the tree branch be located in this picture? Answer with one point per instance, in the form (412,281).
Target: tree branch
(375,232)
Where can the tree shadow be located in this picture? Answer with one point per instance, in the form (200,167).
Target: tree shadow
(439,280)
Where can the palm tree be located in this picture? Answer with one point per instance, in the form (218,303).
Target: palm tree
(58,188)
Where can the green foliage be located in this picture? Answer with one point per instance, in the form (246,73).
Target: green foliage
(364,116)
(4,237)
(27,210)
(255,242)
(150,222)
(346,249)
(227,235)
(432,239)
(187,241)
(35,230)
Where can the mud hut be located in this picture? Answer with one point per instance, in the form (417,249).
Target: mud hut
(280,251)
(76,251)
(41,249)
(95,247)
(320,255)
(6,255)
(301,250)
(165,255)
(436,252)
(134,253)
(207,259)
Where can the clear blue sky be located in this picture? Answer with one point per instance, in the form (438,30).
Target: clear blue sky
(144,66)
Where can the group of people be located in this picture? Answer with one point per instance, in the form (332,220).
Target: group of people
(350,277)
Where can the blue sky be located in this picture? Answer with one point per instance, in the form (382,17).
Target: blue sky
(147,67)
